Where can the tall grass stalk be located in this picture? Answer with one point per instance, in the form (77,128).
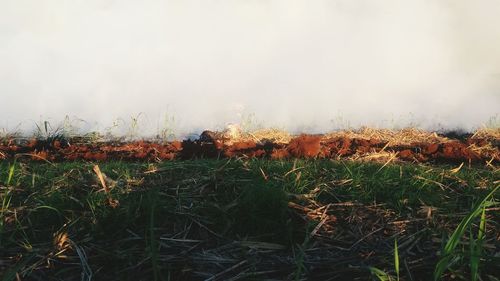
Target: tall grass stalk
(476,246)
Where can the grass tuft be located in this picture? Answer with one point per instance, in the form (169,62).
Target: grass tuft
(448,254)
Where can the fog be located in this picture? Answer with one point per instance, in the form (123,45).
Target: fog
(298,65)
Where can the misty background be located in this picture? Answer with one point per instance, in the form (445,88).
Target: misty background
(299,65)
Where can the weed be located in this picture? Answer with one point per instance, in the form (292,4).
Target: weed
(133,130)
(166,131)
(47,135)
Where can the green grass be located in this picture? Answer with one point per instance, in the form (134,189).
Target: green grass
(449,251)
(192,220)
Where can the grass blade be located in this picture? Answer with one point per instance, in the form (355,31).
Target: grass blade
(452,243)
(482,225)
(477,246)
(396,258)
(380,274)
(11,173)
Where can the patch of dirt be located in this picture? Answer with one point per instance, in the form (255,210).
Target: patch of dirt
(305,146)
(217,145)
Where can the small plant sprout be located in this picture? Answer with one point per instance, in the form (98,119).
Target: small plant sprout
(380,274)
(384,276)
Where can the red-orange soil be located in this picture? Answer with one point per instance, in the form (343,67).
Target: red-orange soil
(305,146)
(208,146)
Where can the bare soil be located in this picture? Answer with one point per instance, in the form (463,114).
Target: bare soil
(215,145)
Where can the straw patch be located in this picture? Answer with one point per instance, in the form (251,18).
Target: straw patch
(405,136)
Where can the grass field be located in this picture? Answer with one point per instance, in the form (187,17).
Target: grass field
(247,219)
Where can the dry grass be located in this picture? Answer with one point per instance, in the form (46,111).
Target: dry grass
(487,133)
(271,135)
(405,136)
(379,157)
(486,151)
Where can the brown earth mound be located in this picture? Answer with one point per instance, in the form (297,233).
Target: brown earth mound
(217,145)
(305,146)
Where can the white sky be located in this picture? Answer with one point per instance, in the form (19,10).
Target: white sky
(302,65)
